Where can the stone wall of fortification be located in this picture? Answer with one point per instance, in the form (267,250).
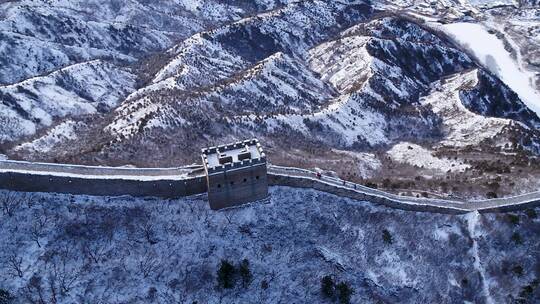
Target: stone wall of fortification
(175,188)
(236,187)
(302,182)
(517,203)
(102,186)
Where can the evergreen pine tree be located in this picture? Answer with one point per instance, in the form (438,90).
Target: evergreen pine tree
(327,287)
(225,275)
(5,297)
(344,293)
(245,273)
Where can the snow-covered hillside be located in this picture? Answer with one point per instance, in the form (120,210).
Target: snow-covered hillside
(66,249)
(276,84)
(491,52)
(81,89)
(319,82)
(463,127)
(67,130)
(373,71)
(434,98)
(42,36)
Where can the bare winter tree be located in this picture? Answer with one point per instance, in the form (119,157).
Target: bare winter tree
(11,201)
(14,264)
(108,227)
(34,291)
(94,251)
(65,266)
(39,223)
(147,229)
(148,263)
(229,218)
(175,292)
(36,232)
(51,280)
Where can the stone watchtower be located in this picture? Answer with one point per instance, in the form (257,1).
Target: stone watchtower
(235,173)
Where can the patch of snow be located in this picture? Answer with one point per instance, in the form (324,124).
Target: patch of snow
(345,71)
(492,3)
(461,126)
(194,57)
(13,126)
(443,232)
(131,117)
(179,177)
(331,257)
(472,219)
(93,172)
(337,116)
(280,81)
(64,131)
(367,163)
(393,270)
(416,155)
(346,116)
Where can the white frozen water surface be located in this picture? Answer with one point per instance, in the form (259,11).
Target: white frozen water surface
(491,52)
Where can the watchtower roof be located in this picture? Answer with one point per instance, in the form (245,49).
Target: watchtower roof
(235,155)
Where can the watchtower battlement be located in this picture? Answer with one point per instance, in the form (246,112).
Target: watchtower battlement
(237,155)
(236,173)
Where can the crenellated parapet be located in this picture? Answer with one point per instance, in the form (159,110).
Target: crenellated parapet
(234,156)
(236,173)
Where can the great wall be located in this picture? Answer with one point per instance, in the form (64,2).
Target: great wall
(185,181)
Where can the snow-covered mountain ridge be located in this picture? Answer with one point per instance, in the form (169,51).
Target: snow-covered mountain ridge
(80,89)
(320,82)
(380,74)
(421,98)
